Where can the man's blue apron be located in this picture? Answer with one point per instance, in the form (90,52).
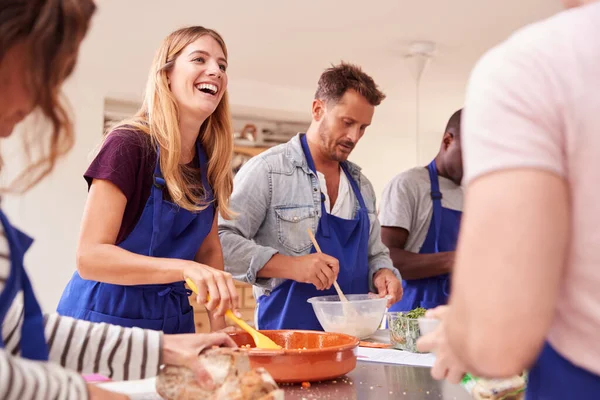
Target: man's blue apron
(344,239)
(164,231)
(441,236)
(33,341)
(553,377)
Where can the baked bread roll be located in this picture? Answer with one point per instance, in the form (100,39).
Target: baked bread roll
(496,389)
(231,374)
(253,385)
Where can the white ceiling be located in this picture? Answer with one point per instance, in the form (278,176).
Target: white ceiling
(285,44)
(289,42)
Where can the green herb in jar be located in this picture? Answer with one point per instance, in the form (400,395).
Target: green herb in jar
(416,313)
(404,329)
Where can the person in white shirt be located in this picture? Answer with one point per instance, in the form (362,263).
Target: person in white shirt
(42,356)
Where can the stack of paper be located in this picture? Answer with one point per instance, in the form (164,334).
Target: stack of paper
(392,356)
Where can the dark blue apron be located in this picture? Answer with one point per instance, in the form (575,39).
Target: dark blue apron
(554,378)
(166,231)
(441,236)
(347,240)
(33,341)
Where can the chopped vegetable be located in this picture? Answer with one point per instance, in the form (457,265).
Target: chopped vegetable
(416,313)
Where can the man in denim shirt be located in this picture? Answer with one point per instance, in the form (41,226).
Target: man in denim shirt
(308,184)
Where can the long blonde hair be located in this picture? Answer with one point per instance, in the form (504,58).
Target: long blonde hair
(159,118)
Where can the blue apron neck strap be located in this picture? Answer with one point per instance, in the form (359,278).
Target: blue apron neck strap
(311,164)
(157,191)
(307,154)
(158,180)
(157,198)
(436,198)
(203,161)
(355,188)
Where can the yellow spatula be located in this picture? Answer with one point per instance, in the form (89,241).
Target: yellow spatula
(260,340)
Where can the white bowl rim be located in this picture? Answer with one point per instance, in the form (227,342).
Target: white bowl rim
(324,299)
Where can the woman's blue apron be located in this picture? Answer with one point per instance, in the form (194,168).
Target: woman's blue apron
(441,236)
(286,307)
(553,377)
(164,231)
(33,341)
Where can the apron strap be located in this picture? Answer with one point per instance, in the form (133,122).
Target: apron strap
(157,198)
(203,159)
(311,164)
(157,190)
(355,188)
(353,184)
(436,198)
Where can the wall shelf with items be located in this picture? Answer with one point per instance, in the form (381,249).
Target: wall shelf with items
(257,130)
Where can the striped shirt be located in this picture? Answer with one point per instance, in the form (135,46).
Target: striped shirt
(75,347)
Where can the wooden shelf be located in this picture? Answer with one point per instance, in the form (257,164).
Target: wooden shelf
(250,151)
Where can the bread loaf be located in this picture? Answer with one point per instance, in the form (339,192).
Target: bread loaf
(231,374)
(496,389)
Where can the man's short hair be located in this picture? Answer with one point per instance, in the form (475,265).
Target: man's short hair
(454,122)
(335,81)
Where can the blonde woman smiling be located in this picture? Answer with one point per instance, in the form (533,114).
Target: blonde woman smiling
(155,189)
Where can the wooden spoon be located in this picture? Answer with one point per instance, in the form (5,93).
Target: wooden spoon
(349,311)
(335,284)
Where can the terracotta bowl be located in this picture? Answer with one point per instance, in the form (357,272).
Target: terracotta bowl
(307,356)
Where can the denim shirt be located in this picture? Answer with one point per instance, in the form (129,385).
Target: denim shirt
(278,199)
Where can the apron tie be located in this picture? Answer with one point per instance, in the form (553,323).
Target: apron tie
(175,292)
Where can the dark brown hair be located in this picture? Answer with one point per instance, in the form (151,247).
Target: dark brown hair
(453,124)
(338,79)
(52,30)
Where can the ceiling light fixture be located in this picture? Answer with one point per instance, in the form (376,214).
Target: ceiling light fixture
(419,54)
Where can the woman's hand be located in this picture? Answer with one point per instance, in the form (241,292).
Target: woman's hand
(216,283)
(184,349)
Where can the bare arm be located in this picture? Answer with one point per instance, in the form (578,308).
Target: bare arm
(211,253)
(279,266)
(509,264)
(99,259)
(412,265)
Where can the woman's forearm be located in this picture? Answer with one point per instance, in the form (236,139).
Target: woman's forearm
(111,264)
